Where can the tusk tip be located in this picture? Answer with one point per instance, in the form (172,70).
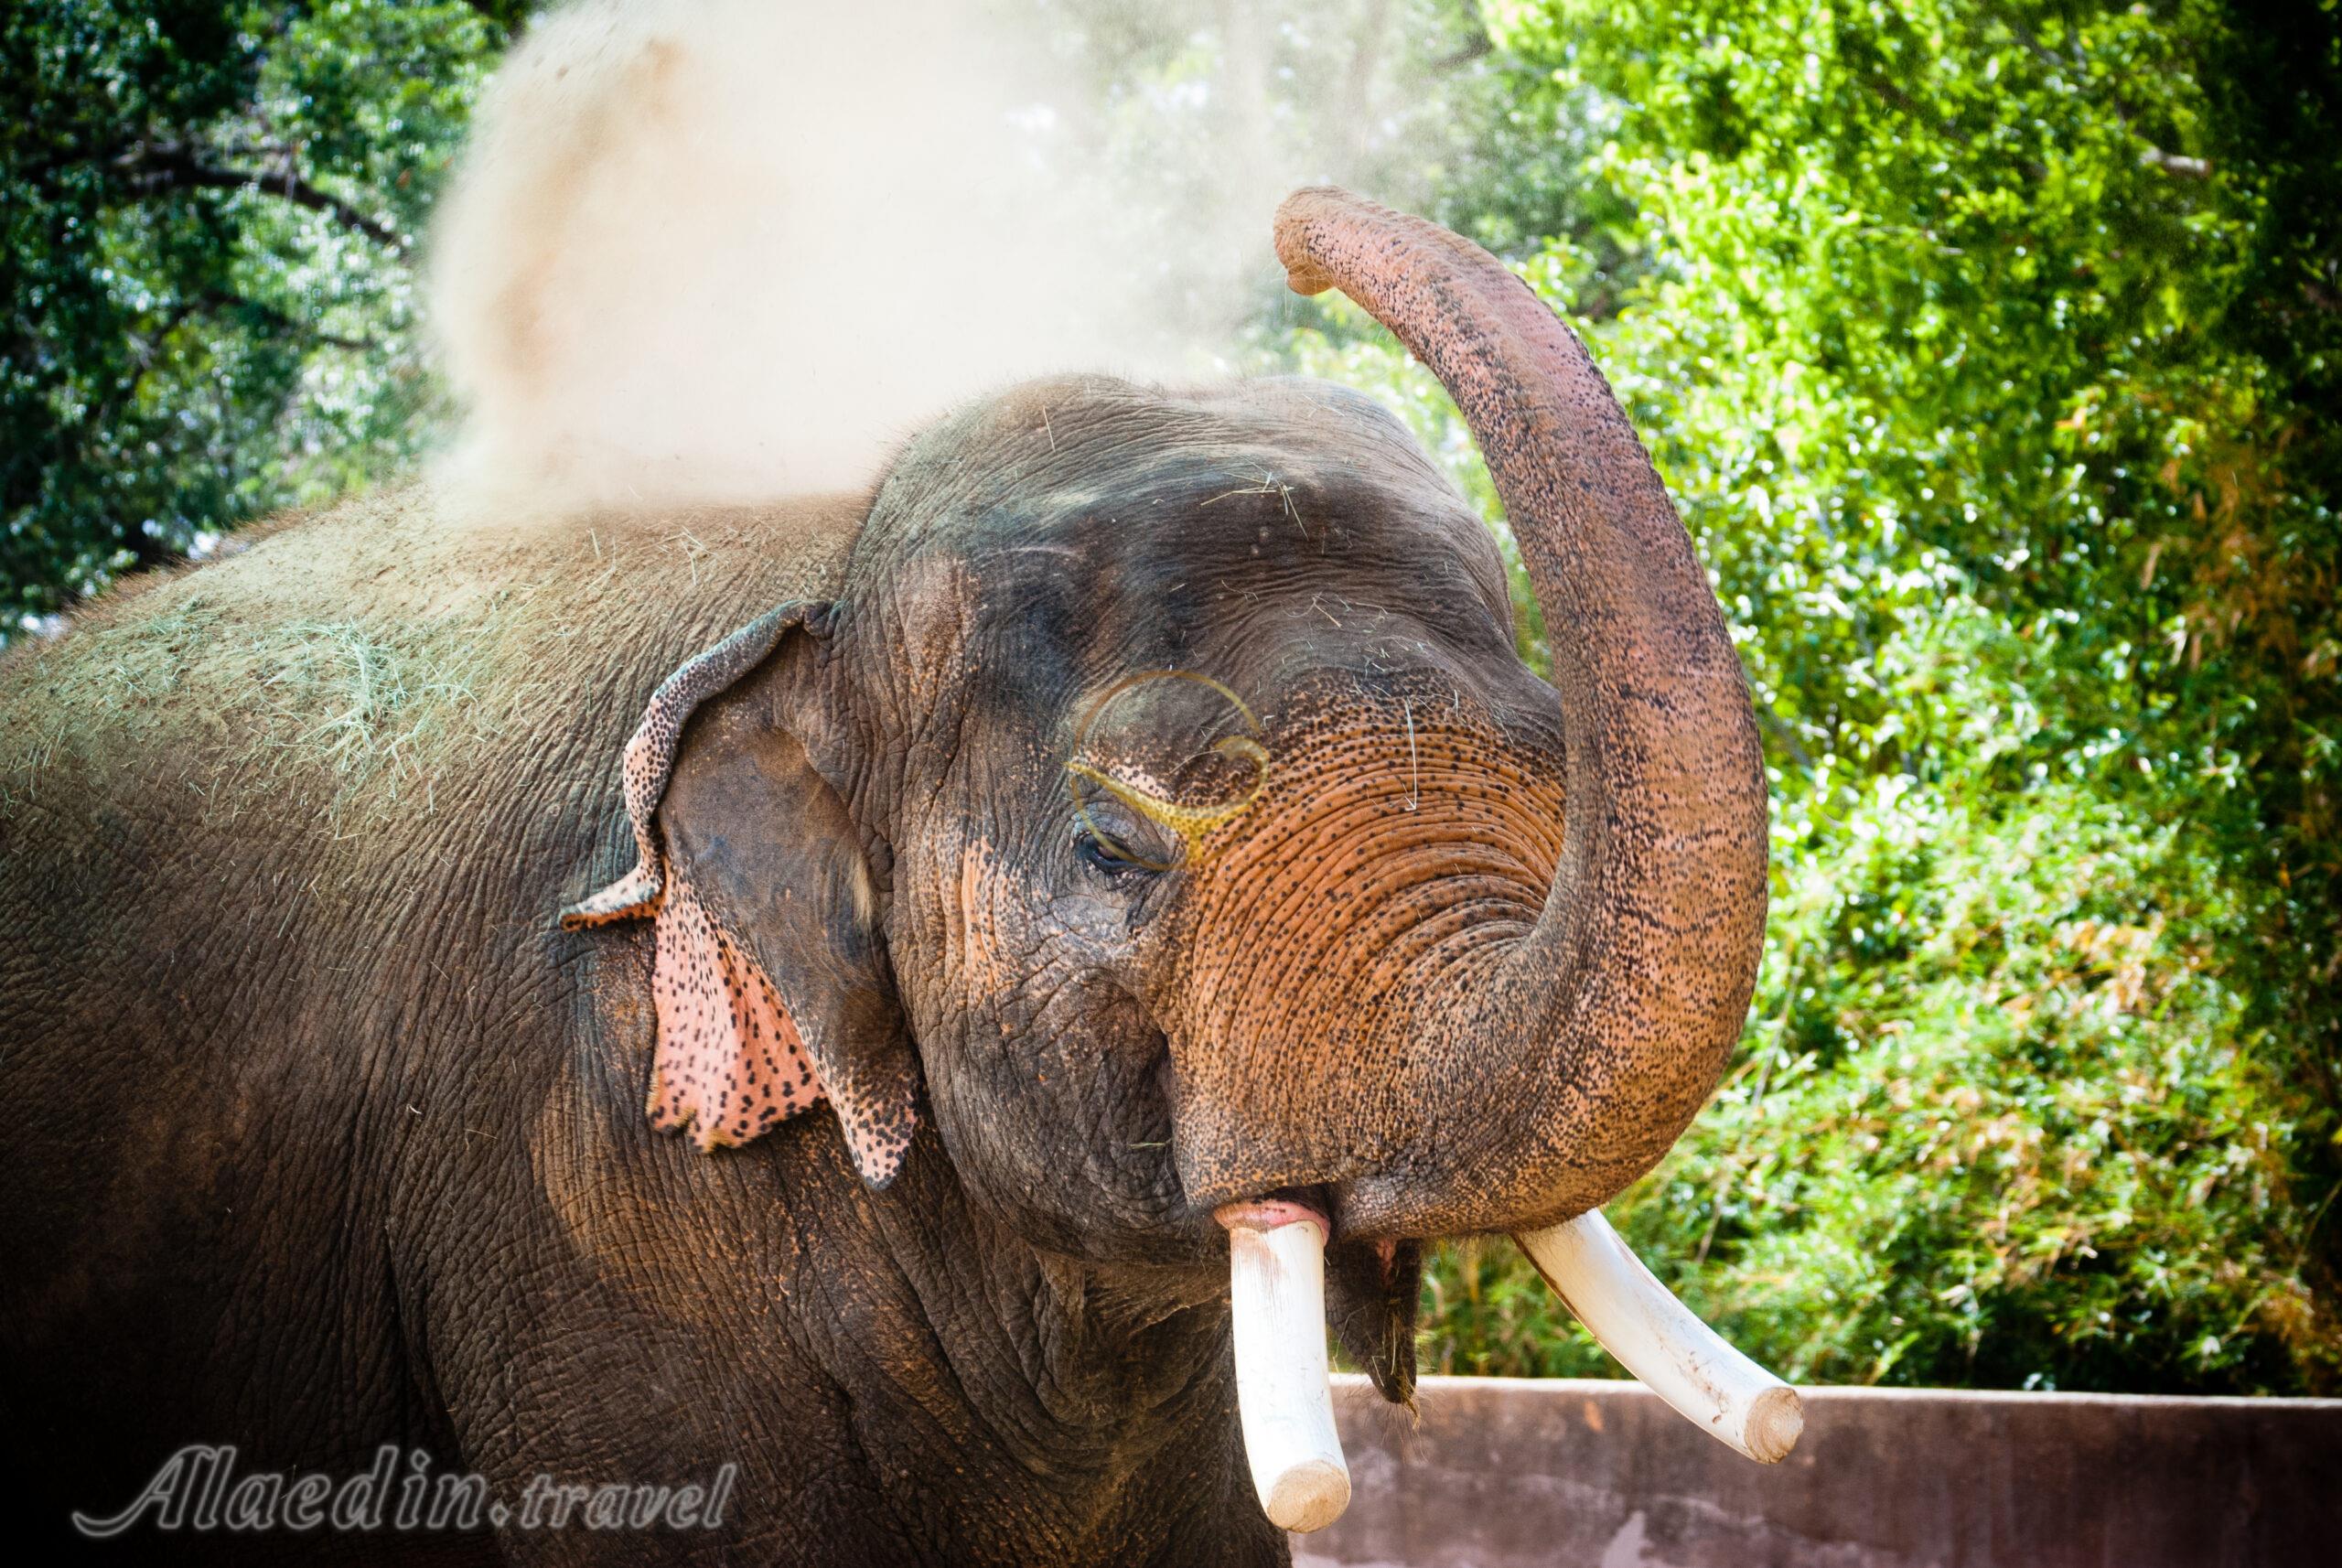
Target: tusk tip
(1310,1496)
(1657,1339)
(1776,1420)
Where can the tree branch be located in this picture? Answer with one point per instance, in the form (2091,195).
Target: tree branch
(2174,163)
(171,166)
(1480,47)
(1477,45)
(505,16)
(220,302)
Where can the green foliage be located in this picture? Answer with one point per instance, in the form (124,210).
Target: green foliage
(2007,1113)
(1999,1121)
(1991,351)
(211,210)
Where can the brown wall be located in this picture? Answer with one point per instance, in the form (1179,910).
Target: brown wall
(1504,1473)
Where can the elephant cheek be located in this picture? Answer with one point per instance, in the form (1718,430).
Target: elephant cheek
(978,946)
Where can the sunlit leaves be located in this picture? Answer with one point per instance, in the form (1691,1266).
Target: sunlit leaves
(206,319)
(1948,340)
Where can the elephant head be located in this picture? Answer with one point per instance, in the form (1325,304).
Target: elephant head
(1161,813)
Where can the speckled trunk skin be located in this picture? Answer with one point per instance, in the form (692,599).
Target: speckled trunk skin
(1616,1014)
(1402,843)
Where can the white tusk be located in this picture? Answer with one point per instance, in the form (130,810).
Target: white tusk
(1277,1290)
(1655,1337)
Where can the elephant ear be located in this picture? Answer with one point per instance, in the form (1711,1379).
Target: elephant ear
(769,981)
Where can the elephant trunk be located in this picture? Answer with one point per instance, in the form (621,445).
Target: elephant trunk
(1610,1022)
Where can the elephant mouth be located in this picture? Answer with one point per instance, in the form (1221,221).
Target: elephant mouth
(1373,1290)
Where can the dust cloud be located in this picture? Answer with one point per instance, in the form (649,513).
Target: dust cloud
(706,251)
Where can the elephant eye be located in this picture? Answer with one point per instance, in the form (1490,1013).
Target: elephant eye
(1100,856)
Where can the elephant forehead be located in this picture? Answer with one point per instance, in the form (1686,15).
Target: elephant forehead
(1117,488)
(1048,643)
(1087,530)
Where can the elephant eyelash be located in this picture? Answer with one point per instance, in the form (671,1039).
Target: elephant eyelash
(1094,854)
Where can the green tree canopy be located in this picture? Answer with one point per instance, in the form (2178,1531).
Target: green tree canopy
(210,211)
(1994,351)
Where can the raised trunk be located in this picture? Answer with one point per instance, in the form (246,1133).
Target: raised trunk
(1611,1022)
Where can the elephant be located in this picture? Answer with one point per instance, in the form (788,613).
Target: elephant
(1131,809)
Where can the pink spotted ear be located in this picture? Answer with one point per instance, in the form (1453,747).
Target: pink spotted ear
(729,1066)
(769,981)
